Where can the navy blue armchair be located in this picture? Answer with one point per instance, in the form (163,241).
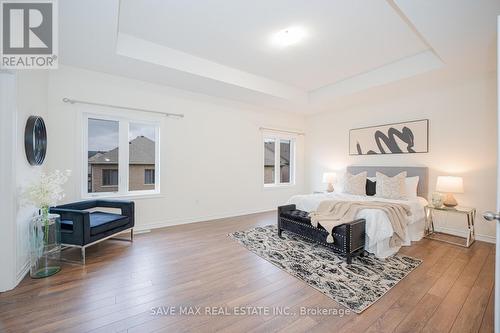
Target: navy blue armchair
(82,228)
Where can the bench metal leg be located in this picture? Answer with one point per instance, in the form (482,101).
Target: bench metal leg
(125,239)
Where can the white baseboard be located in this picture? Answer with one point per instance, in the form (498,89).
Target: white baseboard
(142,231)
(461,233)
(162,224)
(22,272)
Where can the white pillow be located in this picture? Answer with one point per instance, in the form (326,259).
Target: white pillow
(391,187)
(411,185)
(355,184)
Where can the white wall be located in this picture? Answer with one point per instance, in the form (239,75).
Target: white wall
(462,114)
(211,161)
(22,94)
(31,100)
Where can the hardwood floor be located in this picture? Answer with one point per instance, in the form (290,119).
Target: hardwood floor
(198,265)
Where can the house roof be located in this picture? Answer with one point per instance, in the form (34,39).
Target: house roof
(141,150)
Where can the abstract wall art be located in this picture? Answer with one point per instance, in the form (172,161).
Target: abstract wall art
(400,138)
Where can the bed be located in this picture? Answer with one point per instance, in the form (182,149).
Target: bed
(378,228)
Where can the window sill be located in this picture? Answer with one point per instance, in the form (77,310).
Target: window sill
(130,196)
(278,186)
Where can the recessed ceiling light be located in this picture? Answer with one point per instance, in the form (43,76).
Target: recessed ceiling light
(288,36)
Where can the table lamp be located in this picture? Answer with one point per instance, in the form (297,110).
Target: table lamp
(329,178)
(449,185)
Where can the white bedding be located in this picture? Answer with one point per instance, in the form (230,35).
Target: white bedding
(378,228)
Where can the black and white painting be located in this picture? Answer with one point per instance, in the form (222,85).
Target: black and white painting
(401,138)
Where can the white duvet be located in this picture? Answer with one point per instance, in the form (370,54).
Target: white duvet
(378,228)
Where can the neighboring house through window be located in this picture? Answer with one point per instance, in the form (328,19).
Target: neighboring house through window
(122,156)
(279,160)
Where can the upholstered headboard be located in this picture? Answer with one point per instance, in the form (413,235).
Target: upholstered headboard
(422,172)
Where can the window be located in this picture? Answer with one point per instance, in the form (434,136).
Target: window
(121,156)
(102,155)
(285,157)
(109,177)
(279,160)
(142,157)
(149,177)
(269,159)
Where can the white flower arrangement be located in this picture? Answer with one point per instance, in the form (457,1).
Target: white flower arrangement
(47,190)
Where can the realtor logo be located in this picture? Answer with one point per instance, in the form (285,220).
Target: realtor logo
(29,34)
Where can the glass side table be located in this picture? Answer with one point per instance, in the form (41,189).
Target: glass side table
(470,214)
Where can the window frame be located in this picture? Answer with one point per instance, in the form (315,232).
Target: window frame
(277,150)
(123,156)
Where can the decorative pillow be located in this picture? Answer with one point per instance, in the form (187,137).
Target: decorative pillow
(355,184)
(371,187)
(411,184)
(391,187)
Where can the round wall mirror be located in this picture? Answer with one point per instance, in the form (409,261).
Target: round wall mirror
(35,140)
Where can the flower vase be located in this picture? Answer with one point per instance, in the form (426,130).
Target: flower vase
(45,245)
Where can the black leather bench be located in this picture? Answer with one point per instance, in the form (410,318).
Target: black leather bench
(349,238)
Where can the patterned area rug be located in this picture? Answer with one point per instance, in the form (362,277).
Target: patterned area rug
(355,286)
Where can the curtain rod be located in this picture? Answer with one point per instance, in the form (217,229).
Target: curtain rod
(74,101)
(280,130)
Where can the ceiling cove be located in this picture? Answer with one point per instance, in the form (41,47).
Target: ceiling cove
(234,52)
(224,50)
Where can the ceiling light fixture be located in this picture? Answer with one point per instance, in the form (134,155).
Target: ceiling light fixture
(288,36)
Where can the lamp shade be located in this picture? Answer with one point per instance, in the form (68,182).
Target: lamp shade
(329,177)
(449,184)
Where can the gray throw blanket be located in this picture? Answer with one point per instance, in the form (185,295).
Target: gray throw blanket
(331,213)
